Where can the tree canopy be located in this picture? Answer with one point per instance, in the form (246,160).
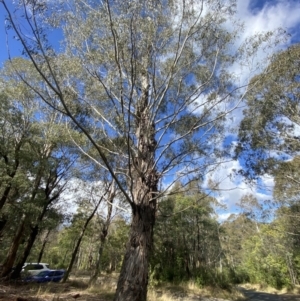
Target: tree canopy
(269,132)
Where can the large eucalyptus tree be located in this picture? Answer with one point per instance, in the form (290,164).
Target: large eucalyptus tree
(147,83)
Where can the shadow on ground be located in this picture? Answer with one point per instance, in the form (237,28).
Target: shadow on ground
(253,295)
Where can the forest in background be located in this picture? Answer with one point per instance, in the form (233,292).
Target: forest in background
(190,243)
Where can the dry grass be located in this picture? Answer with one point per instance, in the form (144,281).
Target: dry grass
(52,292)
(190,291)
(104,290)
(271,290)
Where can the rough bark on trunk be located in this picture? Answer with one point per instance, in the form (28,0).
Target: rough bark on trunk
(133,280)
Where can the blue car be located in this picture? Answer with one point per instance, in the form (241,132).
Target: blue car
(47,276)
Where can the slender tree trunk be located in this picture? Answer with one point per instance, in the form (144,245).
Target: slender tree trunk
(31,239)
(18,269)
(110,199)
(12,253)
(8,188)
(75,251)
(73,257)
(3,222)
(4,197)
(291,270)
(35,229)
(97,270)
(33,233)
(43,247)
(78,260)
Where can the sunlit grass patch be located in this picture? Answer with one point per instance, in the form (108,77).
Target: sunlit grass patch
(190,291)
(101,288)
(268,289)
(78,283)
(50,291)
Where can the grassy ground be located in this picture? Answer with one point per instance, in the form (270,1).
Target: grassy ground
(190,292)
(271,290)
(77,289)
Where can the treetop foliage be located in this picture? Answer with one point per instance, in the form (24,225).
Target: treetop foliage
(269,131)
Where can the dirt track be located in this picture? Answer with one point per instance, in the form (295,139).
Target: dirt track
(253,295)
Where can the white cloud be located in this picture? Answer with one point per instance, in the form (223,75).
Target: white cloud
(281,14)
(232,187)
(77,191)
(284,14)
(266,183)
(275,15)
(223,216)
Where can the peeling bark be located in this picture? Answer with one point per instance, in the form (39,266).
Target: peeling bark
(133,280)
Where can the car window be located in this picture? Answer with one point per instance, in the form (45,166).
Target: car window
(29,267)
(38,267)
(47,266)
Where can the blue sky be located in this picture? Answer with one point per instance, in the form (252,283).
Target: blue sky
(257,16)
(15,48)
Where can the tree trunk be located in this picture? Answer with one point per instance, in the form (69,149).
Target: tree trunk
(97,271)
(73,257)
(32,237)
(15,246)
(4,197)
(35,229)
(43,247)
(7,190)
(3,222)
(104,232)
(74,253)
(10,259)
(133,280)
(291,270)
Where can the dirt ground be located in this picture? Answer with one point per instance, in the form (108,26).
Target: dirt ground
(77,289)
(50,292)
